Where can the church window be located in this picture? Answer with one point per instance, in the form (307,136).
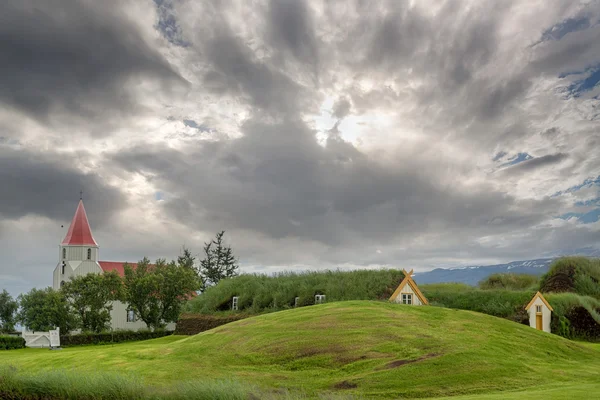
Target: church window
(89,254)
(62,283)
(131,316)
(64,252)
(63,268)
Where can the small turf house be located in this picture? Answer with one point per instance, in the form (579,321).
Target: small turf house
(408,292)
(540,313)
(79,255)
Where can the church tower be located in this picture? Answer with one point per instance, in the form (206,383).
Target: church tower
(78,252)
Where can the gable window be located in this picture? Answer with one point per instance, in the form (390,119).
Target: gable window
(538,309)
(64,252)
(406,298)
(131,316)
(89,254)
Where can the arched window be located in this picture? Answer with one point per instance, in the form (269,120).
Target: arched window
(62,283)
(63,268)
(89,254)
(64,252)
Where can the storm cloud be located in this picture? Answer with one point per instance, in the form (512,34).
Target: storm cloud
(316,134)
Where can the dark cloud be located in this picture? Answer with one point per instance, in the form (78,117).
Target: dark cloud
(537,162)
(48,186)
(73,57)
(341,108)
(277,181)
(291,28)
(235,70)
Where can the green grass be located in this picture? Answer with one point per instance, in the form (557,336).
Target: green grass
(371,349)
(261,293)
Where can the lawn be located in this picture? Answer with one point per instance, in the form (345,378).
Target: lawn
(365,348)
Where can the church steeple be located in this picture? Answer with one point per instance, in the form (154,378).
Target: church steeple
(80,233)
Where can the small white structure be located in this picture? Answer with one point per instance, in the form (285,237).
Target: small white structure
(296,301)
(42,339)
(234,303)
(319,298)
(408,292)
(540,313)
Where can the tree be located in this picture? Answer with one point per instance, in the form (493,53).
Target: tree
(218,262)
(91,296)
(156,293)
(8,311)
(186,259)
(45,309)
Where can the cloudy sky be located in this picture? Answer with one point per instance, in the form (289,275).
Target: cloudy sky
(316,134)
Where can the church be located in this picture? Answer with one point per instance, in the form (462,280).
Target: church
(79,254)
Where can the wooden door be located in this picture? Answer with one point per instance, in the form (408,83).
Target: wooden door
(538,322)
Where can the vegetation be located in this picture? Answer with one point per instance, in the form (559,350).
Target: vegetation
(219,262)
(8,311)
(157,293)
(499,302)
(363,348)
(579,275)
(11,342)
(261,293)
(191,324)
(61,385)
(45,309)
(91,297)
(110,337)
(510,281)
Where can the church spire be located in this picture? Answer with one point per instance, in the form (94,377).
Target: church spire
(79,232)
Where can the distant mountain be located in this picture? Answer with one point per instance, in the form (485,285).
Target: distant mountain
(472,275)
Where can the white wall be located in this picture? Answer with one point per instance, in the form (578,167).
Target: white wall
(119,319)
(408,289)
(546,315)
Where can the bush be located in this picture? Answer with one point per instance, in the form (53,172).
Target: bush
(11,342)
(500,303)
(261,293)
(110,337)
(192,324)
(580,275)
(509,281)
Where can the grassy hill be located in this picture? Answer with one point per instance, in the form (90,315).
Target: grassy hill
(367,348)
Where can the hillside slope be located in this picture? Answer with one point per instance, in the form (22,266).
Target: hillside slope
(374,349)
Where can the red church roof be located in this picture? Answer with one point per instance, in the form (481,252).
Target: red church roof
(118,266)
(79,232)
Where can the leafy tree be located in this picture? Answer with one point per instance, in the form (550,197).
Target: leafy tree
(91,296)
(218,262)
(156,293)
(45,309)
(8,310)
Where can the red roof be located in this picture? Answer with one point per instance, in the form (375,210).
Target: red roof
(79,232)
(118,266)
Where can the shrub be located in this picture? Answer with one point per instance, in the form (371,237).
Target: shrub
(192,324)
(580,275)
(500,303)
(261,293)
(11,342)
(88,338)
(509,281)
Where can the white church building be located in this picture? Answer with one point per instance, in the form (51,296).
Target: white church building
(79,254)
